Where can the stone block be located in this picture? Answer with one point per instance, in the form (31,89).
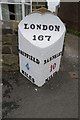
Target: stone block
(9,59)
(14,40)
(7,31)
(10,62)
(0,74)
(6,50)
(0,31)
(0,43)
(0,38)
(15,25)
(0,62)
(0,49)
(9,39)
(15,50)
(6,40)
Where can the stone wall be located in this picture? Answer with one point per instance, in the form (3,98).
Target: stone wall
(9,37)
(10,46)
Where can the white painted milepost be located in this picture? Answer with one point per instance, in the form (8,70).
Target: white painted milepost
(41,38)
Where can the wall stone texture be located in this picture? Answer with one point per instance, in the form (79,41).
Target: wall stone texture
(10,59)
(9,44)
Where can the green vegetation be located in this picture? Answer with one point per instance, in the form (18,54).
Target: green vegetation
(77,33)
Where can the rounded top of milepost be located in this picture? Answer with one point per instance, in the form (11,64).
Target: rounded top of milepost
(41,29)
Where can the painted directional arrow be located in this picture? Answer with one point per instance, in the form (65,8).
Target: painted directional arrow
(27,66)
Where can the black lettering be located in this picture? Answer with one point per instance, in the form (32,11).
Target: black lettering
(50,77)
(26,74)
(33,59)
(39,27)
(60,53)
(26,55)
(51,58)
(22,53)
(54,56)
(32,26)
(19,51)
(44,27)
(51,27)
(57,28)
(46,80)
(26,26)
(29,57)
(45,61)
(40,38)
(22,71)
(37,61)
(30,77)
(48,38)
(33,80)
(34,37)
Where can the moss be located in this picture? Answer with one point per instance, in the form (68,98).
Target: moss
(77,33)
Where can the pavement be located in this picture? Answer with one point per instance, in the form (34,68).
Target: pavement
(58,98)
